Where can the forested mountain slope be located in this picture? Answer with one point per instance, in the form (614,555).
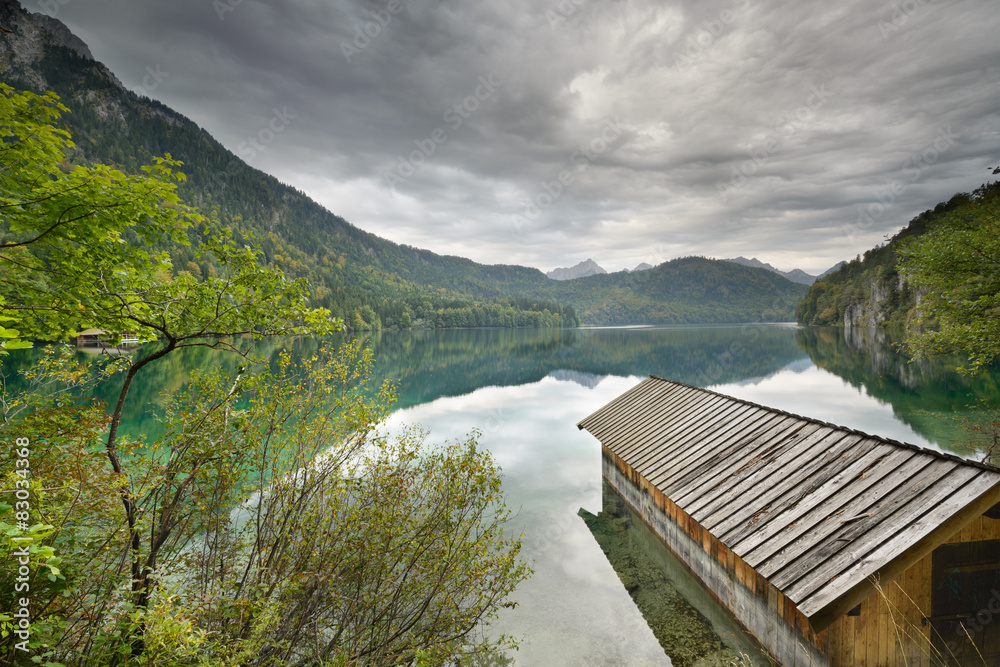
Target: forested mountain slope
(369,281)
(870,290)
(686,290)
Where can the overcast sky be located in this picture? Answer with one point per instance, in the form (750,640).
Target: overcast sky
(543,132)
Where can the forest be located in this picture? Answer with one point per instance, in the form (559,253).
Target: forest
(370,282)
(829,298)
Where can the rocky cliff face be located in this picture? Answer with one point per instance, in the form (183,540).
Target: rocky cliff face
(870,311)
(878,305)
(26,39)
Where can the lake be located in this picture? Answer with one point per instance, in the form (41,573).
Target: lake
(525,390)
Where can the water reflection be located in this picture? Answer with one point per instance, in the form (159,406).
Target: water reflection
(574,610)
(526,389)
(927,396)
(854,377)
(690,624)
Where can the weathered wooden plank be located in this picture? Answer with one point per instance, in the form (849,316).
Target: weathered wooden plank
(606,414)
(931,511)
(759,542)
(700,436)
(726,455)
(861,635)
(842,454)
(855,518)
(750,477)
(707,445)
(715,429)
(884,641)
(680,426)
(764,446)
(870,621)
(607,423)
(662,415)
(711,430)
(782,492)
(659,437)
(892,517)
(848,640)
(828,500)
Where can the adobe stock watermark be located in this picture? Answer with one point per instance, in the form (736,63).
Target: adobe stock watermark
(899,15)
(22,555)
(788,124)
(581,159)
(151,81)
(257,143)
(365,33)
(495,420)
(455,116)
(912,170)
(968,628)
(223,7)
(697,44)
(563,11)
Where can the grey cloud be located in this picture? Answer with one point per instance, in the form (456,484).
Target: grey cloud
(700,90)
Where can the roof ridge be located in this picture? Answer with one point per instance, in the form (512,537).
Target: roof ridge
(905,445)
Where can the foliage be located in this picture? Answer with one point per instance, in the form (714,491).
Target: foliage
(830,298)
(358,546)
(225,506)
(956,266)
(77,247)
(64,228)
(74,508)
(282,525)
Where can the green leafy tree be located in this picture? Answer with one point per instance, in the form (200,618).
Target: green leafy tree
(955,267)
(78,250)
(359,547)
(272,523)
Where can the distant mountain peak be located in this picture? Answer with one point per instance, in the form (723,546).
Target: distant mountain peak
(795,275)
(585,268)
(835,267)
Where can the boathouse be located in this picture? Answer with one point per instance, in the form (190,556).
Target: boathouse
(830,546)
(98,338)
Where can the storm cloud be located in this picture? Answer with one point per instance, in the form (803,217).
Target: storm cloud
(543,133)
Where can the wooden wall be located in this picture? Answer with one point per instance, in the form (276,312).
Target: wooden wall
(758,606)
(889,631)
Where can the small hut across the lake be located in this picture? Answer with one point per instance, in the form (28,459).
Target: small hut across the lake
(98,338)
(831,546)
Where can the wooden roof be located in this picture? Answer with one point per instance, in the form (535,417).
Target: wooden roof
(816,509)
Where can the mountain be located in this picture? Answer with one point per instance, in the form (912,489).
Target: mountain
(685,290)
(368,281)
(835,267)
(581,270)
(643,267)
(869,291)
(795,275)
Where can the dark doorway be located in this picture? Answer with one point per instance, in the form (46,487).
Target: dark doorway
(966,603)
